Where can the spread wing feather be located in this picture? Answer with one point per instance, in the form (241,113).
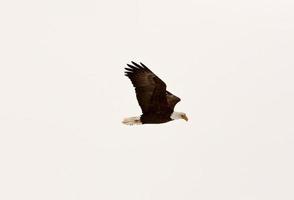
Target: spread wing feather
(172,100)
(150,90)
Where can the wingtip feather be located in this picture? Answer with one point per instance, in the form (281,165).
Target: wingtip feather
(135,67)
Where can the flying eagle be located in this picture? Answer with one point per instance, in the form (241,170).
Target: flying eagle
(156,102)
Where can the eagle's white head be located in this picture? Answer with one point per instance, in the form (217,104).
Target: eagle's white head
(179,115)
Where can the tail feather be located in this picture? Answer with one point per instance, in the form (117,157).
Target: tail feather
(132,121)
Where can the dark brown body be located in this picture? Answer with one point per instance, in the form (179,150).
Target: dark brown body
(155,118)
(156,102)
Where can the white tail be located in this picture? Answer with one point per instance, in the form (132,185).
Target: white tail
(132,121)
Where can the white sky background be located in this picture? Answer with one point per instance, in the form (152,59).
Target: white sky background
(63,96)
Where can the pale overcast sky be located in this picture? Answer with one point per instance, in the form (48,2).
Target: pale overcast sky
(63,95)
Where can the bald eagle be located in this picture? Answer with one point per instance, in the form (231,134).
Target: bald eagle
(156,102)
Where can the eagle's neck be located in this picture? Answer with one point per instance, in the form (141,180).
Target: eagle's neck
(176,115)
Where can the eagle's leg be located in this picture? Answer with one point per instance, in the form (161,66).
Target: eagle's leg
(132,121)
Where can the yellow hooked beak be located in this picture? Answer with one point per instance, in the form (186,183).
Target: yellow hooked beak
(185,117)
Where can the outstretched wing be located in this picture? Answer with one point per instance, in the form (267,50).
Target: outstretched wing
(150,90)
(172,100)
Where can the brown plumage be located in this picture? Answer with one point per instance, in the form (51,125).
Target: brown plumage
(156,102)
